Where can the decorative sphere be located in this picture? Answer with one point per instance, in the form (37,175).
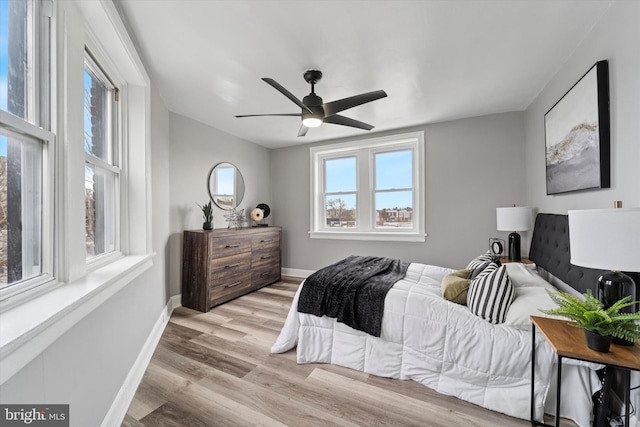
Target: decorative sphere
(257,214)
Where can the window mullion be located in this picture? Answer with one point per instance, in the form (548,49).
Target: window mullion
(364,200)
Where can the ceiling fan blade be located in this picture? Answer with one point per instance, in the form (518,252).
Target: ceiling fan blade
(303,130)
(331,108)
(337,119)
(286,93)
(260,115)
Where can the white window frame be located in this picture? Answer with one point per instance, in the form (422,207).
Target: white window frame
(37,125)
(114,118)
(364,151)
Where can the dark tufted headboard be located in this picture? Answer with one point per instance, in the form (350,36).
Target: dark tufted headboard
(550,250)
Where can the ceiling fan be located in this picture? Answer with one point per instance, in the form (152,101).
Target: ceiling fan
(315,112)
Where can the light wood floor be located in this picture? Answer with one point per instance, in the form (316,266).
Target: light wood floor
(215,369)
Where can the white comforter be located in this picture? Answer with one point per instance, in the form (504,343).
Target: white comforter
(435,342)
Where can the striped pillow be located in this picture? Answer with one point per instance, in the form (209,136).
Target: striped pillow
(491,294)
(482,259)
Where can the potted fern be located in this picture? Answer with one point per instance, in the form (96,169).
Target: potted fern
(207,214)
(600,324)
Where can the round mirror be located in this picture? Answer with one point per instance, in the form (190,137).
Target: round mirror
(226,186)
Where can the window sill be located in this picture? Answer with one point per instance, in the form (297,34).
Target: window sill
(29,328)
(375,236)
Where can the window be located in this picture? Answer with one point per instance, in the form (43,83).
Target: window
(43,164)
(25,146)
(101,170)
(369,190)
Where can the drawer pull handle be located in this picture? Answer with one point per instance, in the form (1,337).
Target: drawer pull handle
(232,265)
(237,245)
(264,274)
(233,284)
(265,257)
(265,240)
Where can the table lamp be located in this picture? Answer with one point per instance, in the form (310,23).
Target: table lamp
(607,239)
(514,219)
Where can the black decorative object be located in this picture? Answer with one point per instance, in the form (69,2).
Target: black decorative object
(577,135)
(265,208)
(259,214)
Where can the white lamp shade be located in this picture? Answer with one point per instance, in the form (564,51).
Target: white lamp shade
(513,219)
(606,239)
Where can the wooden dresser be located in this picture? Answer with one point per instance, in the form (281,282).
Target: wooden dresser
(221,264)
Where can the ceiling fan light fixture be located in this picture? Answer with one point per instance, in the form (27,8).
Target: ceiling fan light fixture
(312,122)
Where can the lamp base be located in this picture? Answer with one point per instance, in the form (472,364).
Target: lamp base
(612,287)
(514,247)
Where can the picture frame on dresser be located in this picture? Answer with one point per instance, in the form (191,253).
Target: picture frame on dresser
(577,135)
(222,264)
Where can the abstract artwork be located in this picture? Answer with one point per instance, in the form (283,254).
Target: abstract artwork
(577,135)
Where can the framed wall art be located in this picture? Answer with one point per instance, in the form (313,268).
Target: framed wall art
(577,135)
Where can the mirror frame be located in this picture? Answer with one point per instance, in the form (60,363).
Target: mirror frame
(239,197)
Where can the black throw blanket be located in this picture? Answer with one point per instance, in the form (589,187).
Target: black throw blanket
(352,291)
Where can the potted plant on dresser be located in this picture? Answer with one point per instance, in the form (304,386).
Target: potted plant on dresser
(207,214)
(600,325)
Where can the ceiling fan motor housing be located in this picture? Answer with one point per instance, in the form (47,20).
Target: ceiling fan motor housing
(314,103)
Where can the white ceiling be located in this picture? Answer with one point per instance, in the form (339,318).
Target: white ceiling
(437,60)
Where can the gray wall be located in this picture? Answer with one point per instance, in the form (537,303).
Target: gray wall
(87,366)
(472,166)
(614,38)
(195,149)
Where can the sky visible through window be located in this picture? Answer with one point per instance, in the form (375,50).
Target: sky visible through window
(4,50)
(393,171)
(225,184)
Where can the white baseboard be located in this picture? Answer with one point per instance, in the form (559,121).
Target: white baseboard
(121,403)
(296,272)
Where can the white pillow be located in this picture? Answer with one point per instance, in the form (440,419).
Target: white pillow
(490,294)
(522,276)
(528,302)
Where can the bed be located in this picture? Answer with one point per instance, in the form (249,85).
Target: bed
(448,348)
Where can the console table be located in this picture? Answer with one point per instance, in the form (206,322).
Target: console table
(569,341)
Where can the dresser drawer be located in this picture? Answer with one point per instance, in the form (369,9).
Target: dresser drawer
(230,264)
(233,285)
(266,241)
(262,259)
(221,247)
(265,274)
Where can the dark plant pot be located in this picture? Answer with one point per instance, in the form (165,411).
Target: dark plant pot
(207,226)
(597,342)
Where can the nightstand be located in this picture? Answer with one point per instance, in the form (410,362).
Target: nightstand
(523,260)
(569,341)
